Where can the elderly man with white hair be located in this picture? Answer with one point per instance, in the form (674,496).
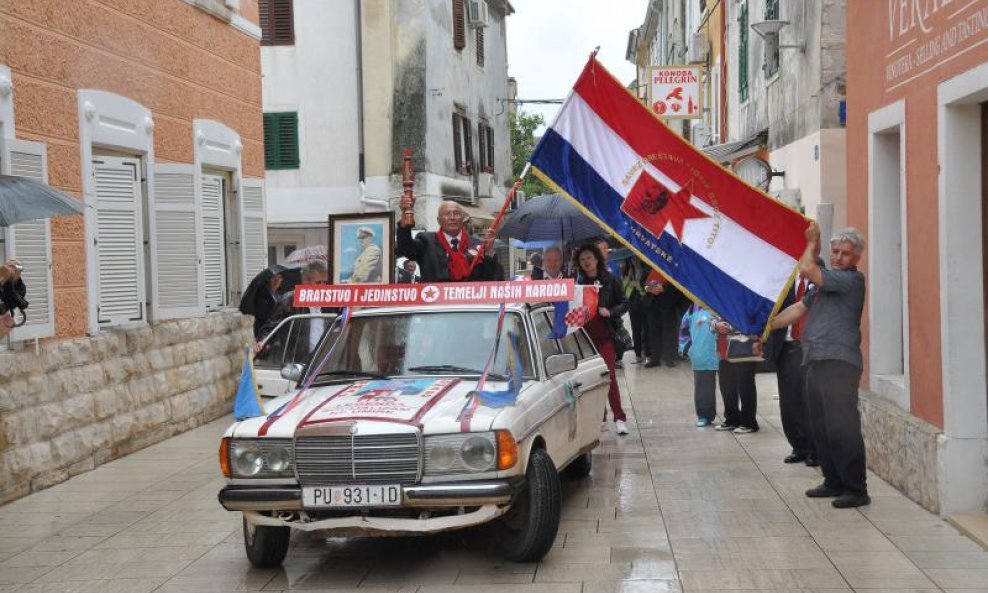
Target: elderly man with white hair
(552,263)
(446,255)
(832,358)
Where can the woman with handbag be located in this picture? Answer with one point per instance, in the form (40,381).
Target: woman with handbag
(610,305)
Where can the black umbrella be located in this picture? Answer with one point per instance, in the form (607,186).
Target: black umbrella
(549,217)
(22,199)
(291,275)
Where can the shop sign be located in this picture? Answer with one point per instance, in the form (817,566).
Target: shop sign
(674,92)
(923,34)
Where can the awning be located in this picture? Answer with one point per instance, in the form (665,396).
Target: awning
(731,151)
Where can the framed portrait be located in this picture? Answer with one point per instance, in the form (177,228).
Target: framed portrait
(361,248)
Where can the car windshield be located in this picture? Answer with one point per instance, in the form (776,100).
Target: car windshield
(417,343)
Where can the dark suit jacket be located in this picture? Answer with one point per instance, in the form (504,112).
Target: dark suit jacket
(433,261)
(264,304)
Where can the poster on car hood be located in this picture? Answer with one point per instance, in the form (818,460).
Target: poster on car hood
(392,400)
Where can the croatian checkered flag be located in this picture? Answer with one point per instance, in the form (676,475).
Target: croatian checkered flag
(571,315)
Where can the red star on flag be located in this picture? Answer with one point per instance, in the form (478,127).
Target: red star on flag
(654,206)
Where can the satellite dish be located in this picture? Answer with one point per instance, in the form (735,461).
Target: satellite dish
(755,171)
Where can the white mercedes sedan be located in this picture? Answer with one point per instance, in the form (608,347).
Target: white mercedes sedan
(390,437)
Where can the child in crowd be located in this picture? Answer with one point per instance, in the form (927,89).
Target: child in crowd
(698,340)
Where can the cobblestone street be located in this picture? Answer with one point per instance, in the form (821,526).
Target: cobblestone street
(668,508)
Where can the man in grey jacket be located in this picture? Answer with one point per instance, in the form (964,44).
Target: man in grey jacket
(832,357)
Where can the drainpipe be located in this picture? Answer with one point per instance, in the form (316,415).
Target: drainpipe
(379,203)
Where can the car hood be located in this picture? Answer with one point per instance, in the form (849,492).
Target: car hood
(437,405)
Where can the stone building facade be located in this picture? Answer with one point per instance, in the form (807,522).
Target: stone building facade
(149,112)
(429,75)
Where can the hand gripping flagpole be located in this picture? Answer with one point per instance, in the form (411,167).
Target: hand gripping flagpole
(491,234)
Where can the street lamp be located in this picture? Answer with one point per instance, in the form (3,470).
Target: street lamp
(769,31)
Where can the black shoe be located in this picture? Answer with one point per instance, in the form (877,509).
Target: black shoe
(671,363)
(824,491)
(849,500)
(794,458)
(651,364)
(812,461)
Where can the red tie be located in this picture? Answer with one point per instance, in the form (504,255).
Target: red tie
(797,328)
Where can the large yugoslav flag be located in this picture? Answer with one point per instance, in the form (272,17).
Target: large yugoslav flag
(724,243)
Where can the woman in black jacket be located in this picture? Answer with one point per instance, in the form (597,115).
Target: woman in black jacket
(610,305)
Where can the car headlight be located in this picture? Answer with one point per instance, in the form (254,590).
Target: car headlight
(261,458)
(461,453)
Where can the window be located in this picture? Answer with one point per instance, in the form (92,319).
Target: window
(119,240)
(281,140)
(772,50)
(480,46)
(277,22)
(586,346)
(543,329)
(459,25)
(743,53)
(485,139)
(462,143)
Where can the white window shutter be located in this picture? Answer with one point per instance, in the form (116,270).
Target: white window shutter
(118,243)
(175,257)
(253,229)
(213,242)
(30,242)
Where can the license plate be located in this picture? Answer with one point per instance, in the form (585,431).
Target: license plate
(388,495)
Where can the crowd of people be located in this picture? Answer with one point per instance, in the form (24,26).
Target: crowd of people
(814,346)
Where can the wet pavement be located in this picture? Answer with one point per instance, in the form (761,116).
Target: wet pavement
(668,508)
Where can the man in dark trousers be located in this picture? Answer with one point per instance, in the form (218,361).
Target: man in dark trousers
(661,304)
(446,255)
(832,357)
(784,349)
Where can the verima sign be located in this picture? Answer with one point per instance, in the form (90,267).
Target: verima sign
(447,293)
(674,92)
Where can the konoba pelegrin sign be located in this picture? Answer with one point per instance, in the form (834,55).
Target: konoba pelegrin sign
(923,34)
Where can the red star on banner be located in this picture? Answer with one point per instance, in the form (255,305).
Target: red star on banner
(654,206)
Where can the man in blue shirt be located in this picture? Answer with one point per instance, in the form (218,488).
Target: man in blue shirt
(832,357)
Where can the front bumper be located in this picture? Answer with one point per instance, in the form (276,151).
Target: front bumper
(449,494)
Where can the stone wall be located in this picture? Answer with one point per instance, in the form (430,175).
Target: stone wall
(902,449)
(81,402)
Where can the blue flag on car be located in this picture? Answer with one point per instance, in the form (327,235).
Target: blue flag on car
(507,397)
(247,403)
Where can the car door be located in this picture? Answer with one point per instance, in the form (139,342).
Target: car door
(561,429)
(595,380)
(292,341)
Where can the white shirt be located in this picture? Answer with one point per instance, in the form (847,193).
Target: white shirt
(317,325)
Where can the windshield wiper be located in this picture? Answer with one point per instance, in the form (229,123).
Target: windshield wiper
(453,369)
(352,373)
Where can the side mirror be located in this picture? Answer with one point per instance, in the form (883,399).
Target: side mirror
(559,363)
(292,371)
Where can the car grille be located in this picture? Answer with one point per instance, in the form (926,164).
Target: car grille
(357,459)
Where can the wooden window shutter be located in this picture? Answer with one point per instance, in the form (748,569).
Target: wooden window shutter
(467,146)
(213,242)
(174,236)
(270,141)
(30,242)
(277,22)
(480,46)
(459,25)
(253,233)
(490,149)
(482,145)
(119,243)
(457,143)
(281,149)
